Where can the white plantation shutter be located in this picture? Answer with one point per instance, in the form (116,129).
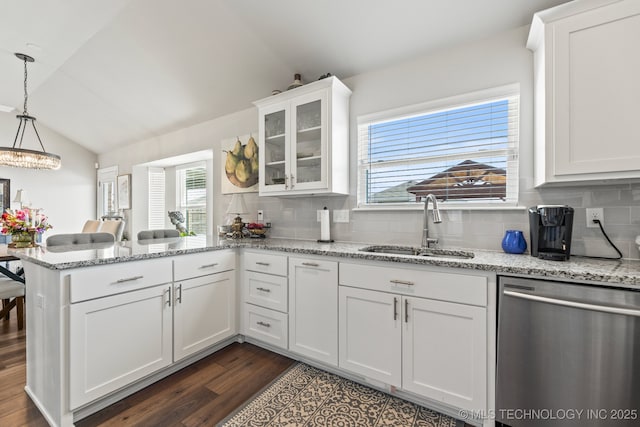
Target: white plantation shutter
(157,212)
(462,149)
(192,191)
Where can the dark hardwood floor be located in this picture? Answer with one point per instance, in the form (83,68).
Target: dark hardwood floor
(199,395)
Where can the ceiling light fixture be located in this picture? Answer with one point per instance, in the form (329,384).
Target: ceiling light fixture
(21,157)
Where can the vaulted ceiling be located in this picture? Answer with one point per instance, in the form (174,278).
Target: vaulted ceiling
(109,73)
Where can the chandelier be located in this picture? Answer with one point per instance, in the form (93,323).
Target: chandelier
(21,157)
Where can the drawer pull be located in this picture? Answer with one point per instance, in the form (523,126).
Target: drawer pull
(266,264)
(265,324)
(179,295)
(129,279)
(264,289)
(311,264)
(209,265)
(402,282)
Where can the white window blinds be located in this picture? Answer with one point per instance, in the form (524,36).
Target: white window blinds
(192,190)
(462,149)
(157,211)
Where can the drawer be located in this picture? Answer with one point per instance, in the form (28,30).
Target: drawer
(444,286)
(203,263)
(103,280)
(265,263)
(266,325)
(266,290)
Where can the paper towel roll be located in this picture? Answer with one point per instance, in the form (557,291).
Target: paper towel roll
(325,233)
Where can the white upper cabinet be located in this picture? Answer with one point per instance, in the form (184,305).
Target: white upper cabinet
(587,91)
(304,140)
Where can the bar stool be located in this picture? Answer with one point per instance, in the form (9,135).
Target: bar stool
(9,289)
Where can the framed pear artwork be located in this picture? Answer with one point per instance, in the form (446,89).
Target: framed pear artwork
(239,165)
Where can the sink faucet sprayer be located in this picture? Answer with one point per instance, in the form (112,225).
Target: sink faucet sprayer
(426,241)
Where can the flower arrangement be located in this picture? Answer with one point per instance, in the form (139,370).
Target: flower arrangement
(24,221)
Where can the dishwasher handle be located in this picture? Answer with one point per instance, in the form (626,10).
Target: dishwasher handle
(574,304)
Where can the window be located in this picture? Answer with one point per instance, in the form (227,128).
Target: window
(107,191)
(157,211)
(192,196)
(464,150)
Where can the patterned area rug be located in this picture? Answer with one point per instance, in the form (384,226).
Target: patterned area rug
(306,396)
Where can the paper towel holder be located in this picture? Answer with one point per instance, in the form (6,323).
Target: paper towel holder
(325,240)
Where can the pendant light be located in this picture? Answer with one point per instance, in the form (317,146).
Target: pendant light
(21,157)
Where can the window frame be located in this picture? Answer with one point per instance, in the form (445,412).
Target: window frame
(432,107)
(180,195)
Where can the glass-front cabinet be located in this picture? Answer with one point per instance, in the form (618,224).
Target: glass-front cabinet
(303,140)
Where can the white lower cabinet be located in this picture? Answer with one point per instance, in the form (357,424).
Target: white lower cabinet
(313,309)
(204,312)
(397,335)
(116,340)
(265,297)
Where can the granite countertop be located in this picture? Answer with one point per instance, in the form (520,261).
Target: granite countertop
(617,273)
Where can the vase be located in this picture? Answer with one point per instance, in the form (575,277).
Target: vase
(514,242)
(25,239)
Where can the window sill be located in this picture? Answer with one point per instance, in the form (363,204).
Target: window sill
(441,206)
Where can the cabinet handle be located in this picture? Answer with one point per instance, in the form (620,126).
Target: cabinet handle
(402,282)
(129,279)
(264,289)
(286,181)
(406,311)
(395,308)
(168,301)
(209,265)
(293,181)
(311,264)
(179,294)
(265,324)
(266,264)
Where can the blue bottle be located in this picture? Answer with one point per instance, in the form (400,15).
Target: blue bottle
(513,242)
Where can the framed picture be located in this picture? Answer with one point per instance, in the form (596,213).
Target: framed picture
(239,165)
(5,194)
(124,191)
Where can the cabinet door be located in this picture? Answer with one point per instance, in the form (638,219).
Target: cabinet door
(273,145)
(444,352)
(596,89)
(116,340)
(204,312)
(313,309)
(309,154)
(371,334)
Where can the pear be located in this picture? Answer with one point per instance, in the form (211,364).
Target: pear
(237,149)
(243,171)
(251,148)
(254,164)
(231,162)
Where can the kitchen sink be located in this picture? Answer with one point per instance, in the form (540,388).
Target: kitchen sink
(415,251)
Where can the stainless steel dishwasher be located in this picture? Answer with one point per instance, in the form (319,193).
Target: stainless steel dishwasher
(567,354)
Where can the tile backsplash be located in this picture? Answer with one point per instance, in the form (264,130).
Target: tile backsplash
(296,218)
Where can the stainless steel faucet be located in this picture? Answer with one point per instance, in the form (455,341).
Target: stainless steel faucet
(426,241)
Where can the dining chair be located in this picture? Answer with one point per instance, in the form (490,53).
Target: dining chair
(12,295)
(79,239)
(113,226)
(91,226)
(158,234)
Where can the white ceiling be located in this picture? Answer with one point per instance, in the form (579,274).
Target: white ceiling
(109,73)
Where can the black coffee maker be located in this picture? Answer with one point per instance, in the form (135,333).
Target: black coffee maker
(550,229)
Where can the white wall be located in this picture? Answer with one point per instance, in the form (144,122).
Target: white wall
(496,61)
(68,195)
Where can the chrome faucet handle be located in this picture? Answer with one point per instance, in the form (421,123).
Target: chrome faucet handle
(432,242)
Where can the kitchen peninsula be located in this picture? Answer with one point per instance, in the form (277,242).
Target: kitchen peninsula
(104,321)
